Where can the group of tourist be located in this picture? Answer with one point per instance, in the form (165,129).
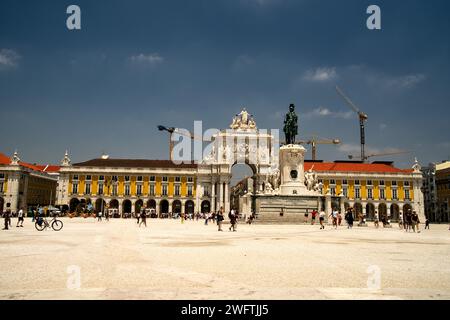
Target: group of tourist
(409,221)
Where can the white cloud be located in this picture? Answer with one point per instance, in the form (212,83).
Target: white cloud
(407,81)
(325,112)
(242,61)
(9,58)
(150,59)
(320,74)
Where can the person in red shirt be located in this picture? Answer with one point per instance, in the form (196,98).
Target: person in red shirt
(313,217)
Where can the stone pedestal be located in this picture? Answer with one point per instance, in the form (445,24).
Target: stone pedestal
(291,168)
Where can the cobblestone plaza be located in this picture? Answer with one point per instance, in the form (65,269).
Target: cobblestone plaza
(170,260)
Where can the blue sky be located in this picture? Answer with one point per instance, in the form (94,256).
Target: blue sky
(136,64)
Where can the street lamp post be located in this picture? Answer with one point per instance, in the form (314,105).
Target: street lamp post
(170,130)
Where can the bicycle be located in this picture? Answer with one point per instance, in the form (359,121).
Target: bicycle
(42,223)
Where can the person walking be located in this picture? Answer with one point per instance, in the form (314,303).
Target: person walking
(313,217)
(99,216)
(306,216)
(408,224)
(220,218)
(415,222)
(233,220)
(377,220)
(6,216)
(334,216)
(349,218)
(321,219)
(20,218)
(427,223)
(138,216)
(143,218)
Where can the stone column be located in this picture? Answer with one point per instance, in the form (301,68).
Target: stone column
(342,205)
(227,199)
(328,207)
(220,195)
(198,194)
(213,197)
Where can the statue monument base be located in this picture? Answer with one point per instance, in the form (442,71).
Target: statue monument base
(294,198)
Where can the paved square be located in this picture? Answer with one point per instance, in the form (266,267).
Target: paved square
(170,260)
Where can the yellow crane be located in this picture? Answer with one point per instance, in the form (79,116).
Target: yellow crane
(314,141)
(366,158)
(362,119)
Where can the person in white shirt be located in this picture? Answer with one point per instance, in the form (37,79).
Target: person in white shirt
(20,218)
(321,219)
(377,219)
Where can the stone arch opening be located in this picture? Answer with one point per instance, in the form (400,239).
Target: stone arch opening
(176,206)
(189,206)
(164,207)
(395,212)
(206,206)
(370,211)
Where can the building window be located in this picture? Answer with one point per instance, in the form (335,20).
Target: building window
(177,179)
(1,189)
(101,178)
(177,190)
(332,181)
(381,182)
(127,189)
(164,189)
(114,190)
(75,188)
(139,178)
(357,193)
(165,179)
(152,189)
(75,177)
(370,193)
(407,194)
(189,191)
(394,183)
(394,194)
(139,189)
(320,181)
(190,179)
(369,183)
(88,177)
(100,188)
(345,192)
(406,183)
(152,178)
(115,178)
(127,178)
(333,191)
(88,188)
(382,194)
(357,183)
(345,182)
(2,176)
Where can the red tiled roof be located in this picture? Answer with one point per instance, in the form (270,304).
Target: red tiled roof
(4,159)
(48,167)
(353,167)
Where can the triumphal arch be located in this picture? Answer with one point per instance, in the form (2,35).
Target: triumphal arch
(241,143)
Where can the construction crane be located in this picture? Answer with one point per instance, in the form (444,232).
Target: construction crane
(351,157)
(362,119)
(314,141)
(171,131)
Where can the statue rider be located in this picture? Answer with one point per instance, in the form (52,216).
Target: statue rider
(290,125)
